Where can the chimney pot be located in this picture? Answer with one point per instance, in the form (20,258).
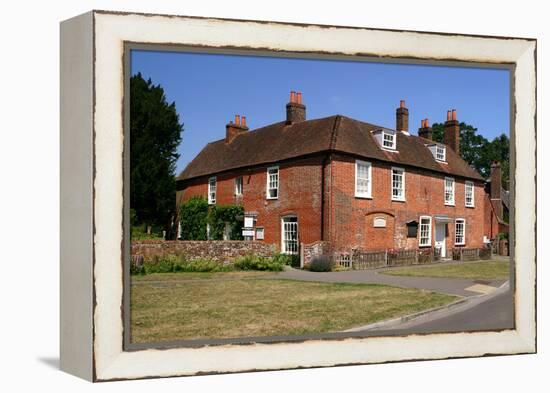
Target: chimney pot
(295,110)
(243,121)
(454,114)
(448,115)
(402,103)
(425,131)
(237,120)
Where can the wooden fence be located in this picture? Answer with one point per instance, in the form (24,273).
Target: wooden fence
(364,260)
(471,254)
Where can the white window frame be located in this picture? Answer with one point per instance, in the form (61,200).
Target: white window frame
(283,241)
(268,187)
(469,185)
(463,222)
(239,186)
(368,192)
(450,202)
(427,243)
(402,197)
(439,148)
(212,186)
(393,140)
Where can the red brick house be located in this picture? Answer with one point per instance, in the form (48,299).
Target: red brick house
(344,181)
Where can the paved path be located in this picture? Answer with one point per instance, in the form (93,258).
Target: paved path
(452,286)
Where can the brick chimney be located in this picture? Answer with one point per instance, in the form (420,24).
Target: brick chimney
(236,128)
(295,110)
(451,134)
(496,185)
(425,131)
(496,180)
(402,117)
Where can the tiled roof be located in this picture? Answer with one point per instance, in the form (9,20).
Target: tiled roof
(282,141)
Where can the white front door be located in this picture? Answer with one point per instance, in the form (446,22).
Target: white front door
(440,231)
(289,235)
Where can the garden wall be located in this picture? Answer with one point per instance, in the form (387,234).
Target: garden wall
(222,251)
(310,251)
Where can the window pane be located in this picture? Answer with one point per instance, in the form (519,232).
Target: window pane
(362,181)
(273,182)
(425,231)
(459,232)
(449,191)
(398,189)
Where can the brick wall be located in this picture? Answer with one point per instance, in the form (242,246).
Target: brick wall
(299,195)
(313,250)
(348,221)
(218,250)
(352,218)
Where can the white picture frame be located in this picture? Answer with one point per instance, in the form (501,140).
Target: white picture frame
(92,191)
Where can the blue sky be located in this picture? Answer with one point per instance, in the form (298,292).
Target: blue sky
(210,89)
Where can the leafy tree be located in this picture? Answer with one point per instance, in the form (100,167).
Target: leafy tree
(477,151)
(499,150)
(155,133)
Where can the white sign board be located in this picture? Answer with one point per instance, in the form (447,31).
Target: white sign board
(248,232)
(249,222)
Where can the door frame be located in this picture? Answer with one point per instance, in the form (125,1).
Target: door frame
(444,247)
(283,233)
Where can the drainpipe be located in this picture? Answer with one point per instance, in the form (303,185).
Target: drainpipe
(323,167)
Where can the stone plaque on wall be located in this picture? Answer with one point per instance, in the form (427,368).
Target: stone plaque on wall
(379,222)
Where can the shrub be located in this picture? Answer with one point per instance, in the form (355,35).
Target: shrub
(287,259)
(174,264)
(502,236)
(323,263)
(193,218)
(254,262)
(139,232)
(195,214)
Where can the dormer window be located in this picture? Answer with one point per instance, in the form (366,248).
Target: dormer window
(387,139)
(438,151)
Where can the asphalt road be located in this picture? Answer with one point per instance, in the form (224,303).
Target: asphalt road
(495,313)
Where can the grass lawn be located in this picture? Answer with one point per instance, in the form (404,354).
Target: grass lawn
(486,270)
(179,306)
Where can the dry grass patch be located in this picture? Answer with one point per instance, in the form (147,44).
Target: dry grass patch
(486,270)
(223,305)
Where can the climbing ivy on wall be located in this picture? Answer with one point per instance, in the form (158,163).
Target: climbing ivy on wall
(218,216)
(195,214)
(193,218)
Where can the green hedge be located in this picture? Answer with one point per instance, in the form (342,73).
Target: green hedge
(175,264)
(254,262)
(193,218)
